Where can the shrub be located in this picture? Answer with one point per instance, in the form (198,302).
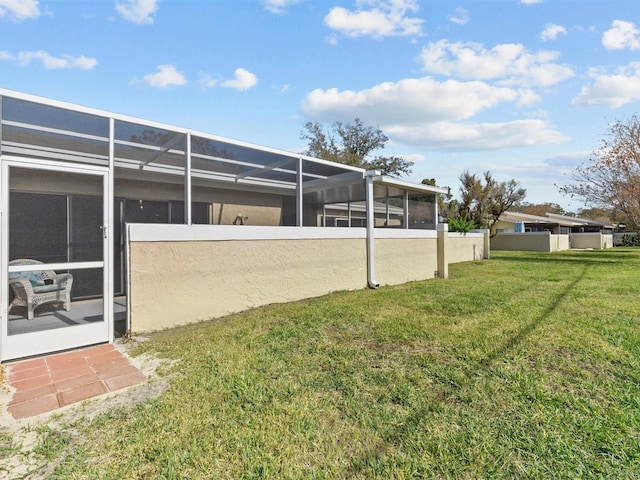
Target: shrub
(462,224)
(630,240)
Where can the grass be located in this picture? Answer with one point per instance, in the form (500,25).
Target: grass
(525,366)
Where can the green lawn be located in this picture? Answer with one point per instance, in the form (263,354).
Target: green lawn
(524,366)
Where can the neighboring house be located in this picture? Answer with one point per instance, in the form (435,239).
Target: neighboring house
(154,226)
(584,225)
(521,232)
(509,221)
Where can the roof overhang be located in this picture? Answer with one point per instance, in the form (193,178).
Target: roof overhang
(512,217)
(576,221)
(403,185)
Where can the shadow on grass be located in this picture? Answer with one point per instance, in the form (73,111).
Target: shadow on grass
(574,257)
(375,455)
(526,330)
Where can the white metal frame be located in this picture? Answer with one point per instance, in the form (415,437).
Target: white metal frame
(253,179)
(298,184)
(22,345)
(300,179)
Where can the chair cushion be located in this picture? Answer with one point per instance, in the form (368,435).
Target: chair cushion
(35,278)
(47,288)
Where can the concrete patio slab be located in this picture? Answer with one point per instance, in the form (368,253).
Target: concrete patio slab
(44,384)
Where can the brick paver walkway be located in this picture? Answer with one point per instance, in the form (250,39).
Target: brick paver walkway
(46,383)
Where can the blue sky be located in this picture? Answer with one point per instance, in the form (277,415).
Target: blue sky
(523,88)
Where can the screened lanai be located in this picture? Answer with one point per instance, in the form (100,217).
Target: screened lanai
(73,177)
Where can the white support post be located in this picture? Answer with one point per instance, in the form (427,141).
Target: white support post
(386,213)
(4,248)
(487,244)
(405,217)
(299,202)
(371,263)
(110,260)
(443,261)
(187,180)
(0,126)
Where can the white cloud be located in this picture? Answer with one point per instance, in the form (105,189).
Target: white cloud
(621,35)
(568,160)
(4,55)
(450,136)
(52,63)
(278,6)
(509,63)
(407,101)
(332,39)
(414,157)
(167,76)
(434,115)
(207,81)
(460,16)
(612,90)
(551,32)
(244,80)
(530,2)
(137,11)
(376,18)
(19,9)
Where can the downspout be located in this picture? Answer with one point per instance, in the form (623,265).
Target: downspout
(127,259)
(371,272)
(435,211)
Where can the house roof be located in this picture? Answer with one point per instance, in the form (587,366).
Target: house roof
(513,217)
(551,219)
(577,221)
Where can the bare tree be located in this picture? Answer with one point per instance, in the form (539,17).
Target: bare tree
(610,180)
(352,143)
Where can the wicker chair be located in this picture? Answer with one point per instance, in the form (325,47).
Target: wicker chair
(32,289)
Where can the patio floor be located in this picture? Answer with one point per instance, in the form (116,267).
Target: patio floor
(52,316)
(50,382)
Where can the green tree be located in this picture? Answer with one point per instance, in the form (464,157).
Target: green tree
(353,143)
(597,214)
(484,199)
(539,209)
(610,180)
(447,205)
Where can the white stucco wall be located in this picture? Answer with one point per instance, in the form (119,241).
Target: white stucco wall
(175,281)
(465,247)
(181,274)
(590,240)
(404,260)
(529,241)
(559,243)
